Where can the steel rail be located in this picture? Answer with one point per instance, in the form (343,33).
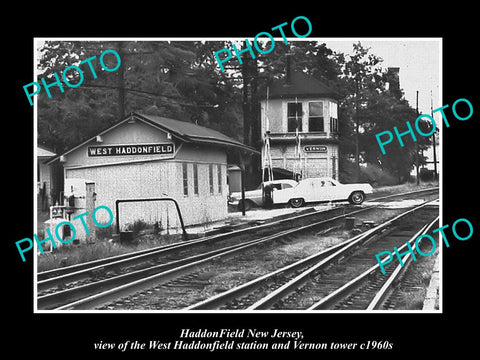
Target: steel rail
(246,288)
(278,294)
(69,295)
(59,277)
(111,290)
(93,265)
(354,284)
(44,275)
(144,283)
(218,300)
(74,294)
(384,292)
(83,270)
(407,193)
(98,264)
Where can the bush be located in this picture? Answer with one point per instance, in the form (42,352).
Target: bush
(347,172)
(137,226)
(371,174)
(376,176)
(105,233)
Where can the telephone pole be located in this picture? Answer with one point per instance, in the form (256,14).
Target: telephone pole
(433,142)
(416,150)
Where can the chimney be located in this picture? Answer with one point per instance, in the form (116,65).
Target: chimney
(393,78)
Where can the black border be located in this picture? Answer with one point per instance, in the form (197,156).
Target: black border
(61,335)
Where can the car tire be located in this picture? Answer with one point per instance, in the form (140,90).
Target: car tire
(356,198)
(296,203)
(248,205)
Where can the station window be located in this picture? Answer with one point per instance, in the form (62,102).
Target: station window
(185,179)
(195,179)
(210,177)
(294,116)
(315,116)
(219,178)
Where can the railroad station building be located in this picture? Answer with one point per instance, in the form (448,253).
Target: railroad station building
(299,121)
(145,156)
(44,178)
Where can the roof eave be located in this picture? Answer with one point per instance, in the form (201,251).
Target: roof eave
(304,96)
(210,141)
(173,132)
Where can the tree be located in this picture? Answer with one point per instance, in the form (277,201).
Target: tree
(171,79)
(181,80)
(370,107)
(362,80)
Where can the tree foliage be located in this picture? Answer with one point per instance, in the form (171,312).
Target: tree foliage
(181,80)
(171,79)
(372,103)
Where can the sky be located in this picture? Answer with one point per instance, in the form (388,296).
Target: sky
(420,63)
(419,60)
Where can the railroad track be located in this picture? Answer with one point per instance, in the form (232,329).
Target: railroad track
(323,279)
(371,289)
(75,272)
(96,283)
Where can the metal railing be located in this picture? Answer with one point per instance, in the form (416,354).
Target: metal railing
(184,232)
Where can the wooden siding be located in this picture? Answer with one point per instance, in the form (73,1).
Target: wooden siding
(153,175)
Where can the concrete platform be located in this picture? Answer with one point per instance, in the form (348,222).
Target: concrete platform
(235,220)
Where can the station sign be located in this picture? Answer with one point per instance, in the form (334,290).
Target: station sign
(315,148)
(125,150)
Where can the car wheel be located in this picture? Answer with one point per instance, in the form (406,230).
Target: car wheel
(296,203)
(248,205)
(356,198)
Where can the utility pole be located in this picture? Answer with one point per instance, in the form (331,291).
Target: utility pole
(416,150)
(433,142)
(357,131)
(121,81)
(249,105)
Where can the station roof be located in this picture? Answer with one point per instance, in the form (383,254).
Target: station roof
(182,130)
(300,85)
(190,132)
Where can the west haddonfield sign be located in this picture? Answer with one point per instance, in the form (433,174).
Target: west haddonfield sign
(141,149)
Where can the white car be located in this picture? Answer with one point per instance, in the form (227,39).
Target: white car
(255,197)
(321,190)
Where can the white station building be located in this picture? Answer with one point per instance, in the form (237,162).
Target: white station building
(145,156)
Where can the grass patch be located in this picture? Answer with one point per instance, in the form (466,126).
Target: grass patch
(412,300)
(395,189)
(71,254)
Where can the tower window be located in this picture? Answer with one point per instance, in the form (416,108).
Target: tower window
(315,116)
(333,125)
(294,115)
